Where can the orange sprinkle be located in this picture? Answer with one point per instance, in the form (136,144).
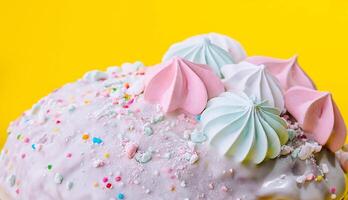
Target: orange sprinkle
(126,85)
(85,136)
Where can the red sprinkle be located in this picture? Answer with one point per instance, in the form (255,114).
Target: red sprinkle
(58,122)
(109,185)
(333,190)
(105,179)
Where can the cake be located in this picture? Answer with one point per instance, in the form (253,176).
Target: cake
(208,122)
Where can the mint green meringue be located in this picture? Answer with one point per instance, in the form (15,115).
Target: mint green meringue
(201,51)
(241,128)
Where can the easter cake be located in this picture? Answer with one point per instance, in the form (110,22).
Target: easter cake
(208,122)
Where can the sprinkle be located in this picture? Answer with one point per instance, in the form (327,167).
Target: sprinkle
(131,150)
(58,122)
(143,157)
(49,167)
(211,186)
(148,130)
(332,190)
(172,188)
(97,140)
(198,117)
(120,196)
(198,137)
(26,140)
(71,108)
(109,185)
(97,163)
(58,178)
(333,196)
(224,189)
(69,185)
(300,179)
(319,178)
(85,136)
(107,155)
(11,180)
(194,158)
(105,179)
(69,155)
(183,184)
(126,85)
(23,156)
(118,178)
(33,146)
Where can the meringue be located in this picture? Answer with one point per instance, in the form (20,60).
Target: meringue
(181,85)
(288,72)
(318,116)
(247,130)
(212,49)
(255,81)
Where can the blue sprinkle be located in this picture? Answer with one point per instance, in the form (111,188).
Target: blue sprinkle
(120,196)
(97,140)
(198,117)
(33,146)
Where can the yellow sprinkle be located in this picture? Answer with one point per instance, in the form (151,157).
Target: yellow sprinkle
(107,155)
(85,136)
(87,101)
(127,96)
(319,178)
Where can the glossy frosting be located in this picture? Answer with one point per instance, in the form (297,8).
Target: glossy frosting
(212,49)
(288,72)
(318,115)
(93,140)
(255,81)
(247,130)
(181,85)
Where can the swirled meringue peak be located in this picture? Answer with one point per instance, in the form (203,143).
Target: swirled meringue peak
(244,129)
(179,84)
(255,81)
(318,115)
(212,49)
(288,72)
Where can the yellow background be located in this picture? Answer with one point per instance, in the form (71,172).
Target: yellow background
(46,43)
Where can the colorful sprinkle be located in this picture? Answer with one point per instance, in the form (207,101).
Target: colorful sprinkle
(107,155)
(69,155)
(109,185)
(69,185)
(120,196)
(97,140)
(49,167)
(118,178)
(105,179)
(85,136)
(33,146)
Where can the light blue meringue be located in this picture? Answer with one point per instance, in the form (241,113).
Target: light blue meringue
(201,51)
(244,129)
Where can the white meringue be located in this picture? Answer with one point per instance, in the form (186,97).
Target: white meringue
(255,81)
(247,130)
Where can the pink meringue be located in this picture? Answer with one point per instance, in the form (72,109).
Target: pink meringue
(318,115)
(181,85)
(288,72)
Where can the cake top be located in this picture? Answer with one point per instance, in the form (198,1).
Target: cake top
(204,116)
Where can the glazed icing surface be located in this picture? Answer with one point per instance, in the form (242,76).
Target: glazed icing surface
(92,139)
